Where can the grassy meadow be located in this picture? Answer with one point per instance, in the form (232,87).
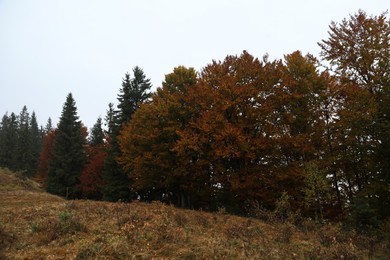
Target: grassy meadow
(37,225)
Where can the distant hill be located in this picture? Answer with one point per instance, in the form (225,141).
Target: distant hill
(37,225)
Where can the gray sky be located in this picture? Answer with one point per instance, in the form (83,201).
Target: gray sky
(49,48)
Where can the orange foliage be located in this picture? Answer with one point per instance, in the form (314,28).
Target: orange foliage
(45,156)
(91,179)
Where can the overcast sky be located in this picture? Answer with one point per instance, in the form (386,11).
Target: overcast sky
(49,48)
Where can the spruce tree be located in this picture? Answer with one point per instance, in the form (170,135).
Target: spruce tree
(133,93)
(69,157)
(97,133)
(49,126)
(8,141)
(35,145)
(23,144)
(3,141)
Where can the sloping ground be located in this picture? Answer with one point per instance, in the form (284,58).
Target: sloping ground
(37,225)
(12,181)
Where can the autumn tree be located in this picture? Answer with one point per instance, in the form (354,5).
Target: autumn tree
(147,142)
(242,130)
(255,125)
(358,51)
(45,156)
(68,158)
(91,179)
(316,190)
(297,121)
(133,93)
(220,150)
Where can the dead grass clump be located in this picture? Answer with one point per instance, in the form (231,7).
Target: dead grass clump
(308,225)
(202,220)
(330,234)
(108,247)
(53,229)
(181,219)
(285,233)
(6,239)
(243,231)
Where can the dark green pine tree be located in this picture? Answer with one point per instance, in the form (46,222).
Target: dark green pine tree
(110,119)
(69,156)
(35,145)
(23,144)
(3,140)
(133,93)
(48,127)
(8,141)
(97,133)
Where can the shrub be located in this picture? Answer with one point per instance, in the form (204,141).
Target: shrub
(283,207)
(64,216)
(35,227)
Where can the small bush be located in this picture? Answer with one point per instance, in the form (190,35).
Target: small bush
(35,227)
(283,207)
(64,216)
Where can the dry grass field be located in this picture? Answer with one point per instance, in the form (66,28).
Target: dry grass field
(37,225)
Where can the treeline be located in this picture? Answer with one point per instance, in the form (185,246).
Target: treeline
(21,141)
(244,132)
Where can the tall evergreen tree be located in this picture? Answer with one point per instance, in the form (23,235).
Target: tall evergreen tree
(69,157)
(49,126)
(3,130)
(23,144)
(97,133)
(133,93)
(35,145)
(8,141)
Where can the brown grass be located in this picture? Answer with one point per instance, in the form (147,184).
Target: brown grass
(37,225)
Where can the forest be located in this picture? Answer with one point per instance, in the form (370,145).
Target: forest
(300,134)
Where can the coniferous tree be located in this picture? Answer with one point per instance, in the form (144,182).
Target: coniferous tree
(35,145)
(110,119)
(8,141)
(97,133)
(68,155)
(49,126)
(3,130)
(3,140)
(133,93)
(23,144)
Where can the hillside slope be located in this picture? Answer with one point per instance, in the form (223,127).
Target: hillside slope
(37,225)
